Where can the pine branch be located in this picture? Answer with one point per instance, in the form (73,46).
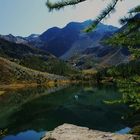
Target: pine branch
(135,10)
(134,15)
(108,10)
(124,20)
(61,4)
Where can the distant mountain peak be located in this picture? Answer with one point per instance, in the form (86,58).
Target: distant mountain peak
(59,41)
(33,36)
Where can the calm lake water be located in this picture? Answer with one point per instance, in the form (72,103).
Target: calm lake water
(27,114)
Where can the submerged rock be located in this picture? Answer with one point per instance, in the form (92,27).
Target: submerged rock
(73,132)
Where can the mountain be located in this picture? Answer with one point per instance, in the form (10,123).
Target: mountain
(18,50)
(68,41)
(58,41)
(32,37)
(99,57)
(33,58)
(84,51)
(71,39)
(15,39)
(81,50)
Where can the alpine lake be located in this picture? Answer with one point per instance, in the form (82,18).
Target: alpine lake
(29,113)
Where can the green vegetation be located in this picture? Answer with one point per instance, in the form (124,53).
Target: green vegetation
(125,70)
(136,131)
(13,73)
(51,65)
(129,34)
(128,37)
(127,76)
(31,65)
(127,79)
(131,93)
(33,58)
(132,39)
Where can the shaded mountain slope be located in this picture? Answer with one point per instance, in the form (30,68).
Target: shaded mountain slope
(64,42)
(99,57)
(18,51)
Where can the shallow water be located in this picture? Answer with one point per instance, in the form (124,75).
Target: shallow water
(28,113)
(27,135)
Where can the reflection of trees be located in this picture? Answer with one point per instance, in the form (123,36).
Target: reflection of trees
(21,96)
(12,101)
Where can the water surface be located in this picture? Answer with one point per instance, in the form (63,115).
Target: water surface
(28,113)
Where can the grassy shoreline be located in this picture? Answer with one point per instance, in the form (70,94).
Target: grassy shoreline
(17,86)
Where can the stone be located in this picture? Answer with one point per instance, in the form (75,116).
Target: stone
(73,132)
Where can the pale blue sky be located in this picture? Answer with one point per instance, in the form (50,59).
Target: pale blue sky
(24,17)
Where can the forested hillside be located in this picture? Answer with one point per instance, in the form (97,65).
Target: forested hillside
(12,73)
(34,58)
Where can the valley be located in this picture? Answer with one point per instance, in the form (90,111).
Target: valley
(65,75)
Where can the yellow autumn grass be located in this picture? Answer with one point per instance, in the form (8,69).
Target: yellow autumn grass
(89,71)
(17,86)
(2,92)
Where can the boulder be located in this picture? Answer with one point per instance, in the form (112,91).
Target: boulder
(73,132)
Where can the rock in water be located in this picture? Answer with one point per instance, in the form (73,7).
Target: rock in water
(73,132)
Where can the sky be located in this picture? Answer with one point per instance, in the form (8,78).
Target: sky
(25,17)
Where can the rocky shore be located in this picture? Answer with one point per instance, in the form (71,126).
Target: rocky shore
(73,132)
